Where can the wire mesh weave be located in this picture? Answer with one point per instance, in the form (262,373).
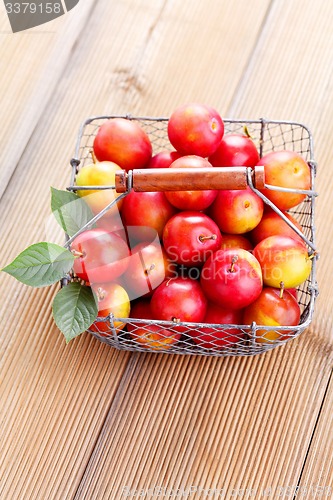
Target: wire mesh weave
(202,338)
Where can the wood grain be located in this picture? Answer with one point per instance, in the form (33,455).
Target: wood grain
(180,179)
(317,475)
(34,61)
(84,420)
(215,426)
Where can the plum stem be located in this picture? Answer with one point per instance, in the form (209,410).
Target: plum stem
(77,254)
(100,294)
(148,271)
(94,159)
(313,255)
(203,238)
(281,289)
(233,262)
(246,131)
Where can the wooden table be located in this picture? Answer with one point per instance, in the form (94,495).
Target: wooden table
(84,420)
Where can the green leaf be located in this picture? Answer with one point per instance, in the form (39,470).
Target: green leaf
(74,309)
(41,264)
(71,211)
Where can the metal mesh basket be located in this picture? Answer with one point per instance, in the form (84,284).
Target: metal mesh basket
(238,340)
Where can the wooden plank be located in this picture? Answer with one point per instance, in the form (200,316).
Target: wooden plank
(208,423)
(317,476)
(302,91)
(56,397)
(34,60)
(173,421)
(239,424)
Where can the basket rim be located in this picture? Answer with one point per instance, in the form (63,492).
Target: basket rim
(312,290)
(262,121)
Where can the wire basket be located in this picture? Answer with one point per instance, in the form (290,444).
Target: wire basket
(238,340)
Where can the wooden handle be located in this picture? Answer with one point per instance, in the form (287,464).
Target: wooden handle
(188,179)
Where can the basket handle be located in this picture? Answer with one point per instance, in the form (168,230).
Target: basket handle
(188,179)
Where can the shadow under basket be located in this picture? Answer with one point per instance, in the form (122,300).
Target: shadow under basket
(146,335)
